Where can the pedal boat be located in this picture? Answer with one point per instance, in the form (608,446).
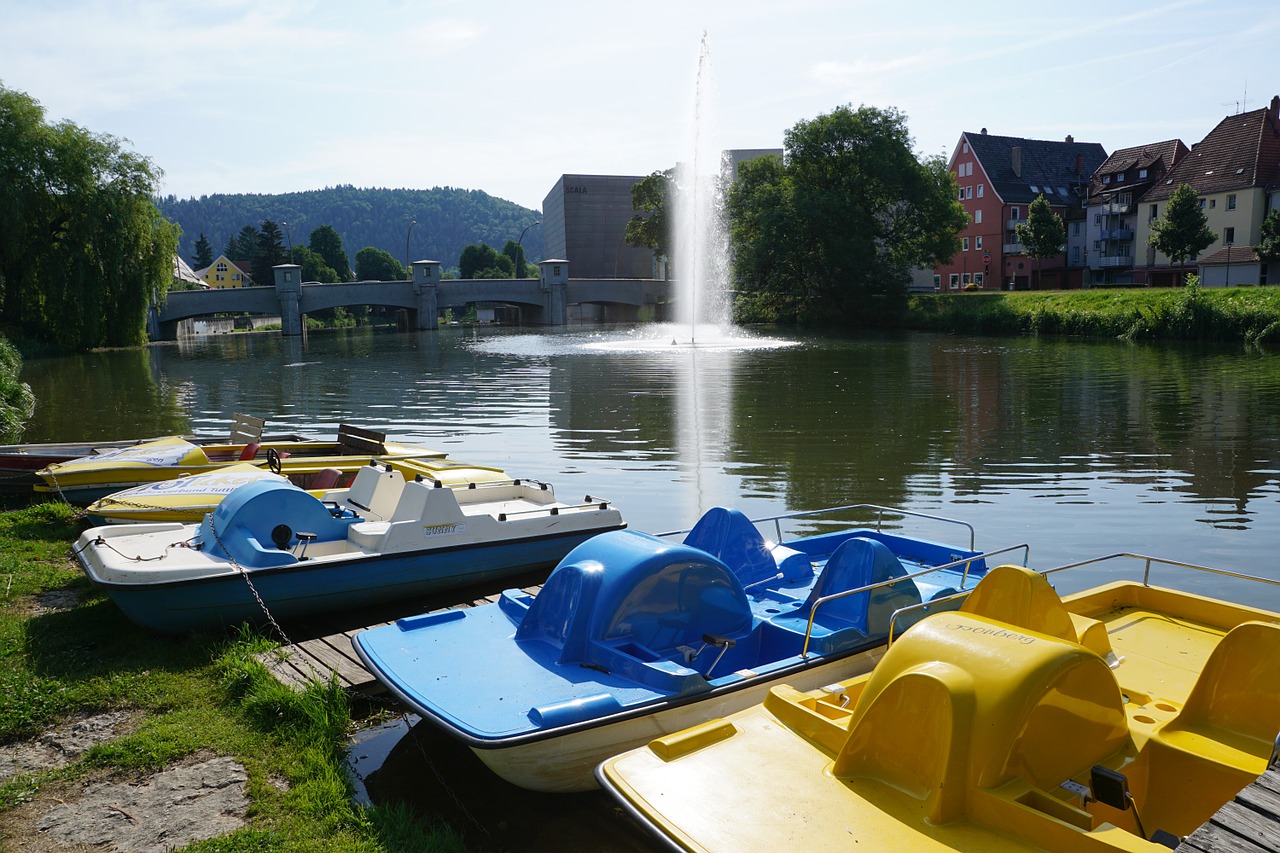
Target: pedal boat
(381,540)
(190,499)
(88,478)
(635,636)
(1119,718)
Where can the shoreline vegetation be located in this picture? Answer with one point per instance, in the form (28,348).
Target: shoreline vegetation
(1248,315)
(69,656)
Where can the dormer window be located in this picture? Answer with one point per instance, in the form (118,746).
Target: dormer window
(1106,179)
(1120,178)
(1142,173)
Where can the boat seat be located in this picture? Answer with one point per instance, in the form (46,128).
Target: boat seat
(729,535)
(375,491)
(250,451)
(1233,711)
(1023,597)
(325,479)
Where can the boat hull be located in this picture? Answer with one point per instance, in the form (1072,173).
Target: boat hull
(566,763)
(314,587)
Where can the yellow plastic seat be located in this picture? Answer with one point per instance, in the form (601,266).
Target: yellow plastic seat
(1020,596)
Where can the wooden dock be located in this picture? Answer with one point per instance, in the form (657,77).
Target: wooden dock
(1248,824)
(322,648)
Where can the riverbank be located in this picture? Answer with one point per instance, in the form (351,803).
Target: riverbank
(1229,315)
(116,738)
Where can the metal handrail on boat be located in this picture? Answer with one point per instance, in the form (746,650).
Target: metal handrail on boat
(588,504)
(966,562)
(880,511)
(1146,578)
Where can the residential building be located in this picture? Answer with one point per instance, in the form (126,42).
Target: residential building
(224,272)
(1235,171)
(999,177)
(1110,249)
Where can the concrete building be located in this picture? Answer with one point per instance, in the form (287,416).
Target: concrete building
(584,220)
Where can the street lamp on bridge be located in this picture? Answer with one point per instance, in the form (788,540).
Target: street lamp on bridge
(520,248)
(412,222)
(290,236)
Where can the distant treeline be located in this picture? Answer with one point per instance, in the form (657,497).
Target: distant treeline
(448,220)
(1193,313)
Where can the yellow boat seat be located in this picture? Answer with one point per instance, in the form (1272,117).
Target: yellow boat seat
(1020,596)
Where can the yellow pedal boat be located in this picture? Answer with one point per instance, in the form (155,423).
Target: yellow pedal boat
(88,478)
(189,499)
(1119,718)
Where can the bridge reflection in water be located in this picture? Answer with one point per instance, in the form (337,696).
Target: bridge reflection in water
(543,301)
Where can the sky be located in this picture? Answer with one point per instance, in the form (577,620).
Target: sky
(229,96)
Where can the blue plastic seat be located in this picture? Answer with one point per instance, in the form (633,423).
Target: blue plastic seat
(730,536)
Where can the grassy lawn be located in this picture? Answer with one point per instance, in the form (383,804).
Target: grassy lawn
(198,694)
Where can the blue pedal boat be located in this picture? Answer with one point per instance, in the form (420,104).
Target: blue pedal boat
(270,546)
(635,636)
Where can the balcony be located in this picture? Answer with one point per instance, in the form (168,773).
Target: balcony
(1013,248)
(1013,223)
(1115,261)
(1115,207)
(1118,234)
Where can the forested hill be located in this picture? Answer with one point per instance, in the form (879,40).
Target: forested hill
(448,220)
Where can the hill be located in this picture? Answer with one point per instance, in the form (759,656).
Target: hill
(448,219)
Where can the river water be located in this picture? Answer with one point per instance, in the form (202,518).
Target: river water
(1076,448)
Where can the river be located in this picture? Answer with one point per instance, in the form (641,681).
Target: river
(1076,448)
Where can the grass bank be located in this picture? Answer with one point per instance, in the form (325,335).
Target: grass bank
(66,650)
(1239,314)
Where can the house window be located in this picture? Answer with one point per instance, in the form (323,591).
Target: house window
(977,218)
(1106,179)
(1075,229)
(1213,202)
(222,267)
(961,196)
(1155,209)
(1097,219)
(219,277)
(965,148)
(937,282)
(1231,202)
(235,276)
(977,243)
(1228,236)
(1142,173)
(964,244)
(1120,178)
(1075,254)
(1097,245)
(1013,212)
(967,279)
(968,192)
(981,188)
(954,281)
(977,279)
(1202,204)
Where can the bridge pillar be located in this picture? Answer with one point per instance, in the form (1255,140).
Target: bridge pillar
(289,292)
(553,281)
(426,278)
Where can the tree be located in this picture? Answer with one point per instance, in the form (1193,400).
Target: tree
(203,257)
(1183,232)
(833,231)
(1043,234)
(651,227)
(83,250)
(1268,248)
(242,246)
(268,252)
(378,265)
(313,266)
(515,251)
(326,243)
(483,261)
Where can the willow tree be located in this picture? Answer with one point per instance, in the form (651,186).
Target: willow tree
(83,249)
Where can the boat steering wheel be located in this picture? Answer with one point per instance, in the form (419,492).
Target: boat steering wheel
(273,460)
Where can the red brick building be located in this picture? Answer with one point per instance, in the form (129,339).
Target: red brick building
(999,177)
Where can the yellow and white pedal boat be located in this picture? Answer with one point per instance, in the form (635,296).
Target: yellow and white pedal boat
(1119,718)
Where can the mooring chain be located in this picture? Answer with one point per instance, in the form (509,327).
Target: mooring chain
(244,573)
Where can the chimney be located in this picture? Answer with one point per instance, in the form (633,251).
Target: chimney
(984,131)
(1016,160)
(1275,106)
(1070,138)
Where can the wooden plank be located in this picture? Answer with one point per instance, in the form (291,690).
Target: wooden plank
(246,429)
(1261,799)
(354,441)
(1251,826)
(1212,838)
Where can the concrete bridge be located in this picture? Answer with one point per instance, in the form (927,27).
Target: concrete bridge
(542,301)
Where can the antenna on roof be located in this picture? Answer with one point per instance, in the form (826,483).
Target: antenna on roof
(1241,105)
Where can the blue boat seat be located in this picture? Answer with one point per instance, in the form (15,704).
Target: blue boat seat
(628,601)
(846,622)
(257,524)
(729,535)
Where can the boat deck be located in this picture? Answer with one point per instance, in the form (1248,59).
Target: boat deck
(322,647)
(1248,824)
